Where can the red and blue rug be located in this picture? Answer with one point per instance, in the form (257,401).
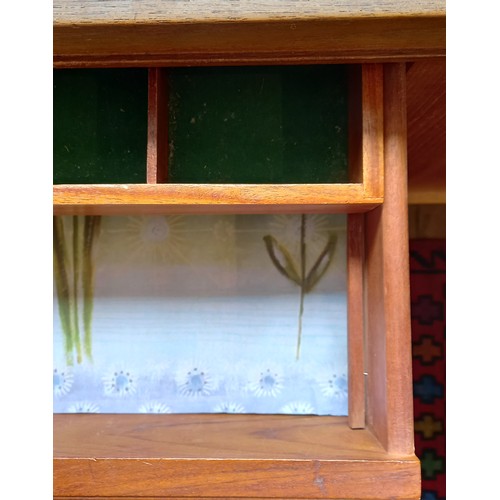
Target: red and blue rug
(428,320)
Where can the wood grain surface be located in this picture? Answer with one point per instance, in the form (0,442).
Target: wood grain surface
(426,98)
(157,146)
(373,129)
(221,32)
(355,320)
(72,11)
(388,341)
(210,198)
(228,456)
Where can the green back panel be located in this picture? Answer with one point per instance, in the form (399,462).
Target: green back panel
(100,126)
(258,125)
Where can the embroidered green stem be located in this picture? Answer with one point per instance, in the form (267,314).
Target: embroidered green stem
(91,231)
(285,264)
(62,287)
(76,288)
(76,279)
(302,279)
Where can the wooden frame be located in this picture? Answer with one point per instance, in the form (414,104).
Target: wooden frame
(367,455)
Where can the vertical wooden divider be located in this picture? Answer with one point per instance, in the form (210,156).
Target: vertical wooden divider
(355,117)
(373,129)
(388,329)
(157,149)
(355,328)
(366,164)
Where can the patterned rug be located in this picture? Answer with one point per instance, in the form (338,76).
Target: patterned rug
(428,311)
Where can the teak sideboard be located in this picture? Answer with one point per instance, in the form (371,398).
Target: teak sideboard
(368,454)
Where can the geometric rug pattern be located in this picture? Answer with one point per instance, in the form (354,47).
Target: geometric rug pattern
(428,321)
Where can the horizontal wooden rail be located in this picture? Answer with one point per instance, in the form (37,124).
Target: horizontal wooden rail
(211,198)
(218,32)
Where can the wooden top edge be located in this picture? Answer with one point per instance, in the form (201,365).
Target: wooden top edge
(184,11)
(139,38)
(158,21)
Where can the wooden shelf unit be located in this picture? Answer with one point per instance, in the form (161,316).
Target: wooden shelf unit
(370,453)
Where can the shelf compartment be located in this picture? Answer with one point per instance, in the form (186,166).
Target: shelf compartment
(362,193)
(100,125)
(226,456)
(258,125)
(201,314)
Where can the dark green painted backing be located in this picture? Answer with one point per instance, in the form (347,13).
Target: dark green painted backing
(258,125)
(100,126)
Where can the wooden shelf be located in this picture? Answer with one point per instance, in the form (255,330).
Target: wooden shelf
(215,198)
(225,456)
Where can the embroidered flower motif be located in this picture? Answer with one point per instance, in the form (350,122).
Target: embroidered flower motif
(83,407)
(288,229)
(268,383)
(229,407)
(154,407)
(298,408)
(223,250)
(334,386)
(62,381)
(119,383)
(224,233)
(158,238)
(195,381)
